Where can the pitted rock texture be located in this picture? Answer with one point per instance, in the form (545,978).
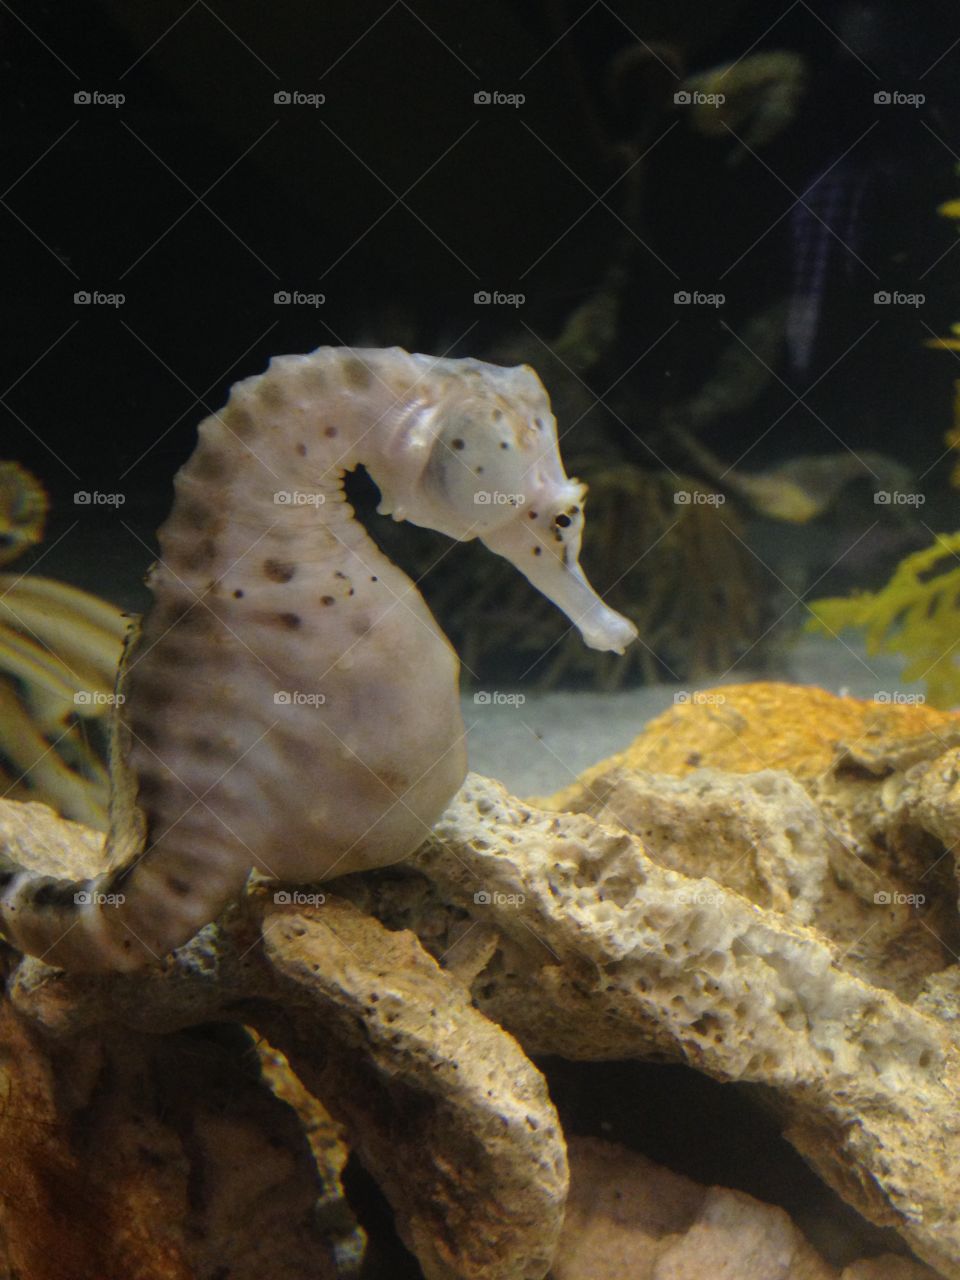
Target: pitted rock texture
(601,952)
(725,911)
(442,1106)
(881,779)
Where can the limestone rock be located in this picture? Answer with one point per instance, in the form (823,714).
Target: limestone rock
(629,1219)
(441,1104)
(604,953)
(129,1157)
(740,891)
(878,780)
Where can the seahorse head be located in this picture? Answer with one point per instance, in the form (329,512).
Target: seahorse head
(491,468)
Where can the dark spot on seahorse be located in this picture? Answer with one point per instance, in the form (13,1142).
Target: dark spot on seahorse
(538,551)
(202,745)
(351,592)
(279,570)
(290,621)
(151,689)
(396,782)
(479,471)
(504,444)
(338,573)
(327,600)
(7,876)
(497,415)
(374,578)
(200,621)
(146,731)
(238,419)
(533,515)
(272,394)
(356,374)
(178,886)
(238,594)
(151,786)
(57,893)
(458,444)
(302,449)
(563,521)
(209,464)
(119,878)
(198,515)
(331,433)
(200,555)
(538,423)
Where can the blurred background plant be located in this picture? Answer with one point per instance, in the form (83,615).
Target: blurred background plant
(59,650)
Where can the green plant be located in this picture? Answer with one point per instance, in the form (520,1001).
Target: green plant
(916,615)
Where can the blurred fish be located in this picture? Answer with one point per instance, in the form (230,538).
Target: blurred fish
(825,228)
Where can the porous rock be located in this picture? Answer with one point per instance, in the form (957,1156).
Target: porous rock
(441,1104)
(740,892)
(628,1217)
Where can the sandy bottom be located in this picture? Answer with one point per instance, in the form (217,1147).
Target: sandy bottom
(541,744)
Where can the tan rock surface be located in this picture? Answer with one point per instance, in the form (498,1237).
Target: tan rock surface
(735,927)
(630,1219)
(442,1105)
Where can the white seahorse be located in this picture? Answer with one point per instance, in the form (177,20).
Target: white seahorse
(291,705)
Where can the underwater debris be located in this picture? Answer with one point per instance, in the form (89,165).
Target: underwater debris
(916,616)
(802,488)
(23,510)
(757,96)
(59,650)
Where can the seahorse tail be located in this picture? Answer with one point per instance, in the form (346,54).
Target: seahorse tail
(124,918)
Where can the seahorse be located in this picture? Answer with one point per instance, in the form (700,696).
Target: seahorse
(290,704)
